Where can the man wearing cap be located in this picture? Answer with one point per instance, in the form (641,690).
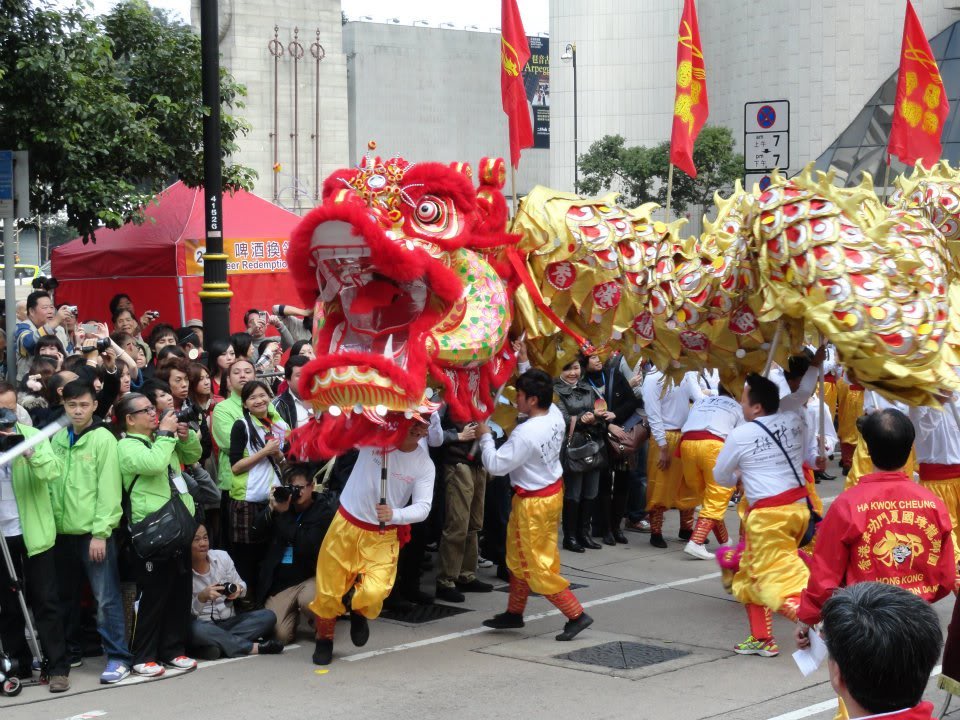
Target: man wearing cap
(356,553)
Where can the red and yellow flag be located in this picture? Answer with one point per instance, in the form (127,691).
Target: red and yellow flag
(690,108)
(514,54)
(921,107)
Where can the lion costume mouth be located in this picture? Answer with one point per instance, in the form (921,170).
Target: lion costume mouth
(400,294)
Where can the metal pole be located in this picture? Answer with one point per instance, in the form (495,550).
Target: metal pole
(384,474)
(319,54)
(773,348)
(823,407)
(669,191)
(215,295)
(296,50)
(10,295)
(576,169)
(276,49)
(886,180)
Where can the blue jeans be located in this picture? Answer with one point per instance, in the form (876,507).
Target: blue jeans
(637,504)
(72,554)
(234,636)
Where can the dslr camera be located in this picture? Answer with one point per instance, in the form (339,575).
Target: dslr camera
(283,493)
(189,413)
(103,344)
(229,588)
(8,420)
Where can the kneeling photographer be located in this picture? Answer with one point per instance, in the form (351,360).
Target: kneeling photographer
(294,524)
(217,629)
(151,455)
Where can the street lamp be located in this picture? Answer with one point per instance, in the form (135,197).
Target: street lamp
(570,53)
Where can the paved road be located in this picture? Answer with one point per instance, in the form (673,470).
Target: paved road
(455,669)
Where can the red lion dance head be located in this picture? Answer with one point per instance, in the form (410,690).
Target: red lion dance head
(396,263)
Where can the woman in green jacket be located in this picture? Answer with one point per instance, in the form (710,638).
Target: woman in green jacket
(151,456)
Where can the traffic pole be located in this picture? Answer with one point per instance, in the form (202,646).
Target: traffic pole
(10,297)
(215,293)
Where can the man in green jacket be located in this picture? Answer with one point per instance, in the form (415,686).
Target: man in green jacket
(151,457)
(86,508)
(26,520)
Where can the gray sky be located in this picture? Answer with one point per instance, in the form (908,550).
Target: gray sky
(485,14)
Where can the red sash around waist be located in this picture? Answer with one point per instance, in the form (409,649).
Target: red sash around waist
(830,378)
(403,531)
(854,386)
(785,498)
(696,435)
(551,489)
(808,474)
(935,471)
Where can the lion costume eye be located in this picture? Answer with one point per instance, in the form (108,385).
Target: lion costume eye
(430,211)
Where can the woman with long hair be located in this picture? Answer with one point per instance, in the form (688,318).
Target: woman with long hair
(582,422)
(219,359)
(257,442)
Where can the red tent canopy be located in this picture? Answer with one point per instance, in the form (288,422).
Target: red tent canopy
(159,263)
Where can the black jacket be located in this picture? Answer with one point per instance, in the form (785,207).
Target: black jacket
(286,406)
(283,529)
(619,395)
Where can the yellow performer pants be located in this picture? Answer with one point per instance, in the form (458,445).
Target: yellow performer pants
(862,465)
(663,486)
(830,396)
(949,492)
(770,568)
(532,551)
(851,407)
(352,557)
(698,458)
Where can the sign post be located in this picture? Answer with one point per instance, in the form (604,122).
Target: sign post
(14,202)
(766,139)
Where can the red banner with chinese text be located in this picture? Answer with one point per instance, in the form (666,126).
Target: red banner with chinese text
(690,107)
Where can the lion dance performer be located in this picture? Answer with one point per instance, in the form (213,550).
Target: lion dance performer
(938,454)
(531,456)
(768,453)
(356,555)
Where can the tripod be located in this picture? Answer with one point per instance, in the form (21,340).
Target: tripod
(10,684)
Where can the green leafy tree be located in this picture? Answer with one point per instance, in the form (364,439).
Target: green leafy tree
(110,109)
(640,173)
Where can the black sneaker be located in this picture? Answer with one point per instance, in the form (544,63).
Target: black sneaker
(397,604)
(656,539)
(574,627)
(270,647)
(419,597)
(474,586)
(323,652)
(685,535)
(449,594)
(505,621)
(503,573)
(359,629)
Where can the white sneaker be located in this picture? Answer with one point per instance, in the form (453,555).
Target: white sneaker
(182,663)
(698,552)
(150,669)
(482,562)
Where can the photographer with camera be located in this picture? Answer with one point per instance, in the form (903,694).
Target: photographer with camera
(217,630)
(294,523)
(150,456)
(42,319)
(257,322)
(26,520)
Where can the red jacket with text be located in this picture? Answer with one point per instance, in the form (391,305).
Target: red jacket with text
(886,529)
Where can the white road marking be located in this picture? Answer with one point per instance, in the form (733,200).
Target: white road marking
(528,618)
(88,715)
(824,706)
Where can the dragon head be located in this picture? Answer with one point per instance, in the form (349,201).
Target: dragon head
(395,262)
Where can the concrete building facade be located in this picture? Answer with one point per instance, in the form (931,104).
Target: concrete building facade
(827,58)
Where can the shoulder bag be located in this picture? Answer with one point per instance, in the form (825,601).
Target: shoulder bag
(815,518)
(581,453)
(165,533)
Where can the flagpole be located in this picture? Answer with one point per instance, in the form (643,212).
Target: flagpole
(669,190)
(513,187)
(886,179)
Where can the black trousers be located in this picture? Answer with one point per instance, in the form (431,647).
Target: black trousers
(165,590)
(39,575)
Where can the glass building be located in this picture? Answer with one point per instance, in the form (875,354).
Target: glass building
(862,147)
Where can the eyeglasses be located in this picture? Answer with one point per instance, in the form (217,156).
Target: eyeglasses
(149,409)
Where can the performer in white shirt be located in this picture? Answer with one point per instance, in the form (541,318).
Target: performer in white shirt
(767,452)
(937,448)
(710,421)
(667,406)
(355,552)
(531,456)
